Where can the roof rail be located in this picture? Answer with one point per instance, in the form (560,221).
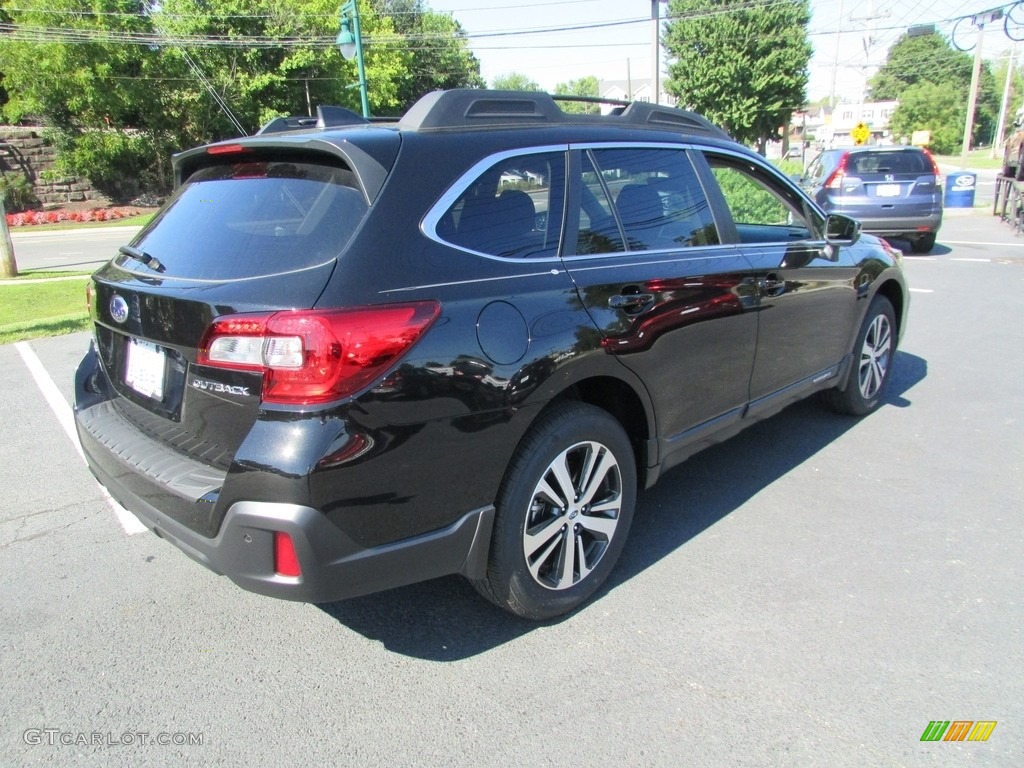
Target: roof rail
(465,107)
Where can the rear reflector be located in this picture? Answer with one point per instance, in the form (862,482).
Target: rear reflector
(286,562)
(316,356)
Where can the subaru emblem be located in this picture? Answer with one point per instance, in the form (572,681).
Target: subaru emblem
(118,308)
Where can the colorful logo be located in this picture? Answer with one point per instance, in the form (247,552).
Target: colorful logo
(958,730)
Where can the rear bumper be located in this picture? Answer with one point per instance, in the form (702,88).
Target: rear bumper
(904,226)
(898,226)
(172,495)
(334,567)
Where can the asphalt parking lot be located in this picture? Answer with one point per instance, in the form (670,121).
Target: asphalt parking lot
(815,591)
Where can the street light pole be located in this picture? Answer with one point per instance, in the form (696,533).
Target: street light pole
(655,46)
(350,43)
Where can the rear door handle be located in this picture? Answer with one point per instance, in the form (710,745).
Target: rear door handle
(635,302)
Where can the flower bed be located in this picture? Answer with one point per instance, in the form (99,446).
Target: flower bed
(28,218)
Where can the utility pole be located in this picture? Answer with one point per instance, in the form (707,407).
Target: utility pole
(972,99)
(8,266)
(1001,125)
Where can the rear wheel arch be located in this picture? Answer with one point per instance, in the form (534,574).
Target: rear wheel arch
(894,292)
(621,401)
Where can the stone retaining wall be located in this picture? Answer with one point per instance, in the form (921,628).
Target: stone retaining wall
(23,150)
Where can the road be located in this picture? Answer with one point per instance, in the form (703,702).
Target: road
(76,249)
(812,592)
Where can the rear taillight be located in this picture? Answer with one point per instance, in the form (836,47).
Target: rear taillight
(286,562)
(315,356)
(835,179)
(935,166)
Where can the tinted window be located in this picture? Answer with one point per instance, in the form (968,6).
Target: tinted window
(513,209)
(763,208)
(252,219)
(861,163)
(649,199)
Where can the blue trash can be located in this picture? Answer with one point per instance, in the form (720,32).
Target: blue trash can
(960,189)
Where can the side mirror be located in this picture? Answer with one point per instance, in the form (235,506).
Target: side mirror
(841,230)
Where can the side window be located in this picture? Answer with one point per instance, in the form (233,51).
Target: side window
(512,209)
(763,209)
(642,200)
(599,231)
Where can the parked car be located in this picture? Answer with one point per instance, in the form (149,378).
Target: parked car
(892,191)
(347,358)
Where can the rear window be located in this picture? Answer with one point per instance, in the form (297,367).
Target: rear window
(888,162)
(252,219)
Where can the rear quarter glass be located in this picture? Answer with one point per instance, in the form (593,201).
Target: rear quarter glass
(252,219)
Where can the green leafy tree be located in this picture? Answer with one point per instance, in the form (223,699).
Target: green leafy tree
(742,66)
(935,108)
(515,81)
(124,83)
(438,50)
(930,60)
(913,60)
(585,86)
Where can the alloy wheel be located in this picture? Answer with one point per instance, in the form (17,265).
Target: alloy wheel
(573,515)
(874,356)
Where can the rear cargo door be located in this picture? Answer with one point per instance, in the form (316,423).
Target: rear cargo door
(255,235)
(892,183)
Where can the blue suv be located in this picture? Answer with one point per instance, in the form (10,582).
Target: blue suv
(892,191)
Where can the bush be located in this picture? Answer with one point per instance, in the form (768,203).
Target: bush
(116,162)
(17,192)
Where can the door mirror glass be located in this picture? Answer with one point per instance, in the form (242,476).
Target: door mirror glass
(841,230)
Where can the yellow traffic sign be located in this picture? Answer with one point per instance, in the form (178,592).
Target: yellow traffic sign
(860,133)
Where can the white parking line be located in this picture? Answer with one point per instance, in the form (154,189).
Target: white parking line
(975,242)
(921,290)
(981,261)
(66,419)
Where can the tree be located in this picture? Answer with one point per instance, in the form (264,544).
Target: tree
(930,60)
(930,107)
(743,67)
(585,86)
(122,84)
(515,81)
(923,58)
(438,50)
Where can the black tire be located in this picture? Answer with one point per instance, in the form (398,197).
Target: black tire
(532,572)
(922,243)
(873,356)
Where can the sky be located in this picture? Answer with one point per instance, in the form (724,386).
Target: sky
(863,30)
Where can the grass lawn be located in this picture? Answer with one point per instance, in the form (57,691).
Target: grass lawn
(977,159)
(50,308)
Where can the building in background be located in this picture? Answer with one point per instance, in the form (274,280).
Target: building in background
(636,89)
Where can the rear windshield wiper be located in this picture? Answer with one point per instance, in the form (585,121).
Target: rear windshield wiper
(148,259)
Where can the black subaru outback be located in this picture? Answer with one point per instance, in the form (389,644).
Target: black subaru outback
(354,356)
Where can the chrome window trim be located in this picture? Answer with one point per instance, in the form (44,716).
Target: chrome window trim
(428,224)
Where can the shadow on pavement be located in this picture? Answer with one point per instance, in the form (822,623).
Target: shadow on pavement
(445,620)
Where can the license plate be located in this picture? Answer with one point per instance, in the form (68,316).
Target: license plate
(888,190)
(144,371)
